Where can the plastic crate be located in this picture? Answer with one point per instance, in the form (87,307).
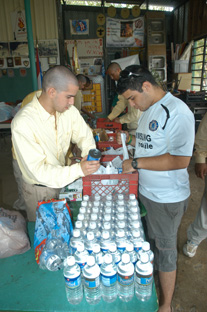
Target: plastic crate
(105,184)
(103,123)
(104,145)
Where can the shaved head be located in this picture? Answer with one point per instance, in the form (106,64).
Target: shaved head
(58,77)
(113,66)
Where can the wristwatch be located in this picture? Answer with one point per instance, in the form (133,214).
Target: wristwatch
(135,163)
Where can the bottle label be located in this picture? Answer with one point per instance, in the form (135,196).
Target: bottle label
(125,280)
(73,282)
(121,249)
(92,282)
(137,248)
(73,250)
(108,280)
(143,280)
(81,264)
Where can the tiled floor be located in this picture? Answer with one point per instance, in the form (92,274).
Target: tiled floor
(190,291)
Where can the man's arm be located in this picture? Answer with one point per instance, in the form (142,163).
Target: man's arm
(119,108)
(165,162)
(201,149)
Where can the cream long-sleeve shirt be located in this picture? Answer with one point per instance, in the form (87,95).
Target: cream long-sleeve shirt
(130,118)
(201,142)
(40,145)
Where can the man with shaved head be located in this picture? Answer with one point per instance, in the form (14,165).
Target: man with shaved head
(41,134)
(132,116)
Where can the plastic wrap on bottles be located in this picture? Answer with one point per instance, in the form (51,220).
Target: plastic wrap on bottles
(52,216)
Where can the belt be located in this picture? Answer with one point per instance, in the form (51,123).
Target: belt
(40,185)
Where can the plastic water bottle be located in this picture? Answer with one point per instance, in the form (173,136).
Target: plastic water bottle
(109,279)
(75,240)
(98,254)
(121,240)
(116,255)
(143,278)
(81,255)
(92,284)
(73,284)
(146,249)
(50,261)
(105,241)
(86,198)
(131,252)
(137,240)
(90,241)
(125,278)
(81,227)
(92,227)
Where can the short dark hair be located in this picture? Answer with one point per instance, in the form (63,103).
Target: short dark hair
(134,82)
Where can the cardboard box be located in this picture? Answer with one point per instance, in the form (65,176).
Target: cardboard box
(184,81)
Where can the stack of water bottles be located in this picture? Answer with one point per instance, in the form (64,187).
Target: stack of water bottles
(109,255)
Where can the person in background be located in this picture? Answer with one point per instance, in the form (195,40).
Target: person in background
(41,134)
(163,148)
(197,231)
(132,116)
(83,82)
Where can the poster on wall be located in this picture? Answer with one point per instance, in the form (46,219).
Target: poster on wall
(90,53)
(19,25)
(79,27)
(48,48)
(125,33)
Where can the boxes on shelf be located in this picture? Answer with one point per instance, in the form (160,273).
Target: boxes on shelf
(73,191)
(103,123)
(184,81)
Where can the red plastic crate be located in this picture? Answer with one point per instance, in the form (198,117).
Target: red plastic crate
(120,183)
(104,145)
(103,123)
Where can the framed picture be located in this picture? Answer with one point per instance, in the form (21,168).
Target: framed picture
(52,60)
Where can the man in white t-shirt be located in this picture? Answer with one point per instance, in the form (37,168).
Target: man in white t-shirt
(163,149)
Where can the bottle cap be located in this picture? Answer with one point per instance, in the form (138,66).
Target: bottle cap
(129,246)
(70,260)
(109,197)
(84,203)
(144,257)
(120,196)
(96,248)
(80,217)
(82,210)
(120,233)
(97,197)
(90,236)
(106,226)
(107,217)
(85,197)
(96,203)
(135,233)
(94,216)
(92,225)
(121,224)
(112,247)
(132,196)
(108,203)
(78,224)
(80,247)
(107,258)
(76,233)
(145,246)
(91,260)
(105,234)
(125,258)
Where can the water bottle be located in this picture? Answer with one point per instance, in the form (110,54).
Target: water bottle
(132,197)
(92,227)
(121,240)
(125,272)
(116,255)
(105,241)
(81,255)
(109,279)
(146,249)
(137,240)
(143,278)
(98,254)
(75,240)
(80,225)
(50,261)
(84,203)
(90,240)
(97,197)
(73,284)
(131,252)
(92,285)
(86,198)
(80,217)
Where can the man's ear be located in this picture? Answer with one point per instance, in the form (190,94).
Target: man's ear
(51,92)
(146,86)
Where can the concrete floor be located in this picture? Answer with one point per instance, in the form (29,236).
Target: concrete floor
(190,290)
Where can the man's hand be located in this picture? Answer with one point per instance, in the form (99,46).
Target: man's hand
(117,120)
(201,170)
(118,136)
(127,166)
(89,167)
